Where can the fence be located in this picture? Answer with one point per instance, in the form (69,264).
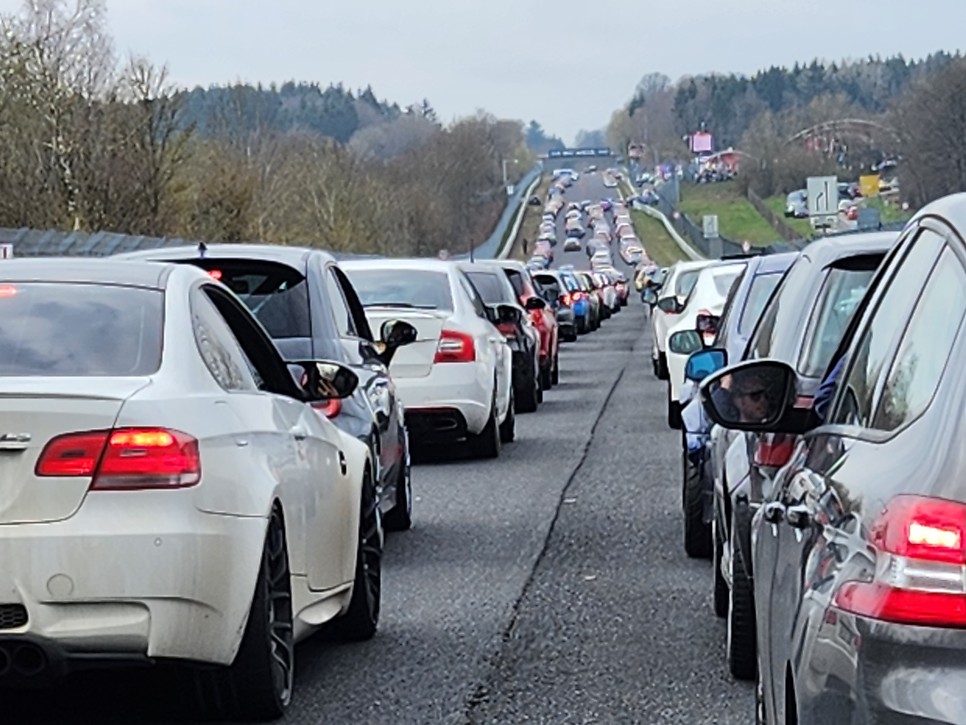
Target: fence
(777,223)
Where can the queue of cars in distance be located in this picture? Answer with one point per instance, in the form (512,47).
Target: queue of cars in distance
(823,474)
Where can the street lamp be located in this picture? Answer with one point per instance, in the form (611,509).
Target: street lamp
(505,185)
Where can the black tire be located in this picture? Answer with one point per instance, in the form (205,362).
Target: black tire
(528,396)
(361,620)
(555,373)
(581,326)
(741,640)
(719,592)
(546,375)
(400,516)
(486,444)
(673,411)
(697,534)
(258,684)
(662,371)
(508,428)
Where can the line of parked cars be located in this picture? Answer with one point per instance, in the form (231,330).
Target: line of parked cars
(203,446)
(823,470)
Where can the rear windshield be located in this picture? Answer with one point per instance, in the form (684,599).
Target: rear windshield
(402,288)
(761,288)
(277,294)
(841,293)
(58,329)
(488,284)
(685,282)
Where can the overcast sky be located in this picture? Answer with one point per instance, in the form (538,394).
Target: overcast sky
(567,63)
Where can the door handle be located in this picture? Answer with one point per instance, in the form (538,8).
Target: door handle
(798,517)
(299,433)
(773,512)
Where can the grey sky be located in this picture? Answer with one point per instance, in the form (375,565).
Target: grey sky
(568,63)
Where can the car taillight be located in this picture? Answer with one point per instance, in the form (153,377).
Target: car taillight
(565,299)
(536,317)
(509,329)
(124,459)
(330,408)
(578,296)
(455,346)
(919,569)
(776,452)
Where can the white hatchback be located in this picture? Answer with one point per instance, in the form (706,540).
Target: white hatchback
(166,492)
(455,380)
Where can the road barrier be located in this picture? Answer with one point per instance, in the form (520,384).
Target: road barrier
(493,246)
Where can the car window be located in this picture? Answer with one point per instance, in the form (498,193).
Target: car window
(218,346)
(874,349)
(925,348)
(723,280)
(763,337)
(422,289)
(841,293)
(277,294)
(58,329)
(685,282)
(516,280)
(479,306)
(762,287)
(344,323)
(359,321)
(489,286)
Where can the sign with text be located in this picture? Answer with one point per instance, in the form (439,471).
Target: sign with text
(578,153)
(710,226)
(702,142)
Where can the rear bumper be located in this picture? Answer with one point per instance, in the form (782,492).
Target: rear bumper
(163,581)
(463,387)
(436,425)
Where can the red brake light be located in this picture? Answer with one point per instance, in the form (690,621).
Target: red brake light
(215,273)
(455,346)
(565,299)
(329,408)
(124,459)
(921,553)
(774,453)
(578,296)
(7,291)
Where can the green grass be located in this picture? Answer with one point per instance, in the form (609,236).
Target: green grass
(657,242)
(889,212)
(802,226)
(737,218)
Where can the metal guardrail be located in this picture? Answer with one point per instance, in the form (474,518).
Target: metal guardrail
(491,247)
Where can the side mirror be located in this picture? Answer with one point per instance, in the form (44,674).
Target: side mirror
(394,334)
(649,296)
(756,395)
(669,305)
(703,363)
(535,303)
(684,342)
(505,314)
(324,380)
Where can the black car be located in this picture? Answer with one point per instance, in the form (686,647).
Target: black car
(802,324)
(859,547)
(746,300)
(311,311)
(494,288)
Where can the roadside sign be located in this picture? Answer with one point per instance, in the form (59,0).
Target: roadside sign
(710,226)
(869,185)
(509,189)
(823,195)
(6,251)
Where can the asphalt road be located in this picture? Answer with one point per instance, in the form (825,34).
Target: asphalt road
(549,586)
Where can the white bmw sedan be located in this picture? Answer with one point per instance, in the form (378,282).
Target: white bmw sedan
(455,380)
(167,493)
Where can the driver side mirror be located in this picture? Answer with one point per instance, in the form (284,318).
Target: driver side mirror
(703,363)
(756,395)
(535,303)
(670,305)
(504,314)
(394,334)
(649,296)
(324,379)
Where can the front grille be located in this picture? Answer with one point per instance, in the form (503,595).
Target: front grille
(12,616)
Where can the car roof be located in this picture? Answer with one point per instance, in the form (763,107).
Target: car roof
(88,271)
(292,256)
(425,263)
(829,249)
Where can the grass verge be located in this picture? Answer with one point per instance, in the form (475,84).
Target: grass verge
(737,218)
(890,212)
(657,242)
(802,226)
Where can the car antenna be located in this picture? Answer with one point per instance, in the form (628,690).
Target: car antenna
(202,249)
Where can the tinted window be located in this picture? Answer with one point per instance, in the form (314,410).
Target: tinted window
(516,279)
(344,323)
(874,350)
(762,287)
(62,329)
(402,288)
(797,276)
(489,286)
(277,294)
(924,351)
(841,293)
(219,347)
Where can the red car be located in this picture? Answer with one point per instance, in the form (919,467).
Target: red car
(542,316)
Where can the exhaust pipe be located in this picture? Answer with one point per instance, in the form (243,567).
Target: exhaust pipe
(29,660)
(4,661)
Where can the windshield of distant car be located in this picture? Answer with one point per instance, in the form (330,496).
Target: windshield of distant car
(489,286)
(761,288)
(61,329)
(417,288)
(841,293)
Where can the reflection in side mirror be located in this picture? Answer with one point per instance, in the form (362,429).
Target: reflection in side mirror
(669,305)
(396,333)
(323,379)
(703,363)
(507,314)
(684,342)
(535,303)
(757,395)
